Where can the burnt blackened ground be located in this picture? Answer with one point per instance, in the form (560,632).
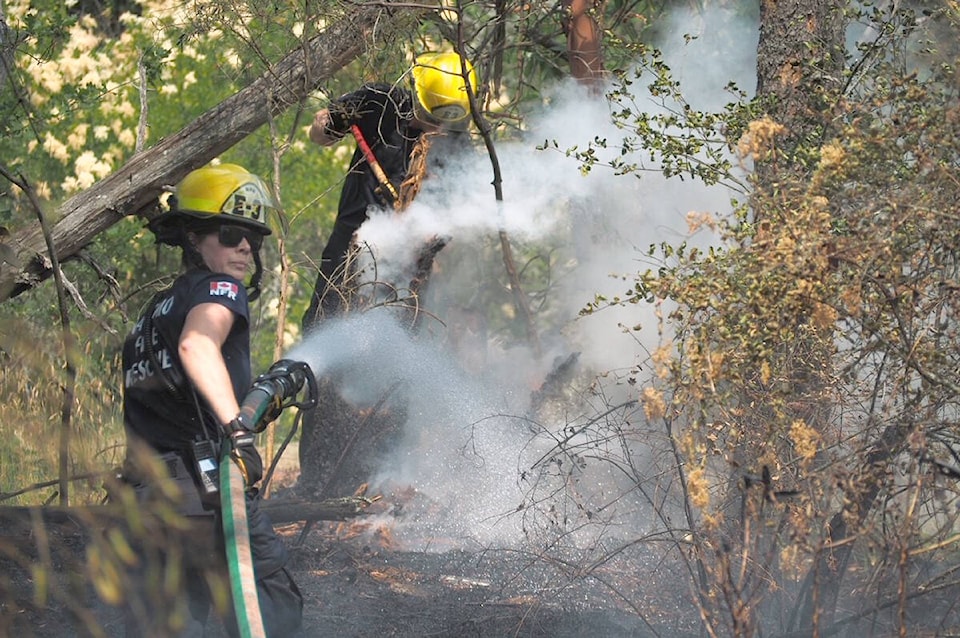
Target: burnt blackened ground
(353,586)
(359,584)
(358,589)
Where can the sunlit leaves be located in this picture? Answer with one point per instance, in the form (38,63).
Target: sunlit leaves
(670,137)
(825,326)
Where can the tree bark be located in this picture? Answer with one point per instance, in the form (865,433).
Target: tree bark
(135,187)
(584,48)
(800,61)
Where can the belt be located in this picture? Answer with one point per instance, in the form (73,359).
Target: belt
(180,478)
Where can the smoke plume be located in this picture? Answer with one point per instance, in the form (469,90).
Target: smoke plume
(472,447)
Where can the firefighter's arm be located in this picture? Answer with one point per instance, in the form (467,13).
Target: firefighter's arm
(321,131)
(204,332)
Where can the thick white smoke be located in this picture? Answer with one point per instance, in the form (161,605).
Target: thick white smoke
(465,447)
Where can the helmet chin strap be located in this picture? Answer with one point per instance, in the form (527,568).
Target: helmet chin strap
(253,289)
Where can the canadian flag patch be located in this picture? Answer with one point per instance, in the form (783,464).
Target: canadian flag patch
(224,289)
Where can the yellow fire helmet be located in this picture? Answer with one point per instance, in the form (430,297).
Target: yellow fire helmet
(228,190)
(440,91)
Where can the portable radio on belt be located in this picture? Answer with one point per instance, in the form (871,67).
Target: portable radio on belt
(207,465)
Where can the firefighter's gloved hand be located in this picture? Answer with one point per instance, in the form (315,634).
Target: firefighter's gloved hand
(244,453)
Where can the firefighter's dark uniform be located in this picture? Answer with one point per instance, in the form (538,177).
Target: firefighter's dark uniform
(161,410)
(384,115)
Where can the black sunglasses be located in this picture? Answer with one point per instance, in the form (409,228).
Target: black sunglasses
(231,236)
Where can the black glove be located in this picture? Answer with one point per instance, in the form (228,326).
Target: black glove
(244,453)
(340,119)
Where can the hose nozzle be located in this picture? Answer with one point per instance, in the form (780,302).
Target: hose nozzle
(275,390)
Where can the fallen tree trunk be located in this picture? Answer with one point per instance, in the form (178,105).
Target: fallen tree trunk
(135,187)
(331,509)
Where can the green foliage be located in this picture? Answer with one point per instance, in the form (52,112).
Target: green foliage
(819,341)
(676,139)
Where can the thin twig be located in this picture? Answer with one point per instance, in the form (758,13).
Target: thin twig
(519,298)
(6,496)
(69,346)
(82,306)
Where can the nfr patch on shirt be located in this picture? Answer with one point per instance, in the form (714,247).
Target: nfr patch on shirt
(224,289)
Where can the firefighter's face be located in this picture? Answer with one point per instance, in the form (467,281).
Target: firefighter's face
(231,260)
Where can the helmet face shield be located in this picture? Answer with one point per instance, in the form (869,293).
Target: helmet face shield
(249,201)
(450,113)
(451,117)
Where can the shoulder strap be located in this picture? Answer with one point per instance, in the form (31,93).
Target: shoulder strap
(173,378)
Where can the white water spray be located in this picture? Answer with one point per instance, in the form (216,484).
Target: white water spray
(455,450)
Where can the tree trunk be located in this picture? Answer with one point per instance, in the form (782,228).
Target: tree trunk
(134,189)
(826,575)
(584,48)
(800,60)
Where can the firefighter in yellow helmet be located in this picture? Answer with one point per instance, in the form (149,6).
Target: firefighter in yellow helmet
(211,197)
(393,127)
(186,367)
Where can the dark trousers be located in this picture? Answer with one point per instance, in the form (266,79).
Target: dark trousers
(328,292)
(189,551)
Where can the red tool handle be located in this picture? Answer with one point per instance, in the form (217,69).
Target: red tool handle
(372,161)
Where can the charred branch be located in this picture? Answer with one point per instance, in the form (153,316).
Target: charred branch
(552,387)
(22,520)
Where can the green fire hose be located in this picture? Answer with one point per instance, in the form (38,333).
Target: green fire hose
(271,393)
(236,535)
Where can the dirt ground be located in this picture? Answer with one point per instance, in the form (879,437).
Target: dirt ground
(359,584)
